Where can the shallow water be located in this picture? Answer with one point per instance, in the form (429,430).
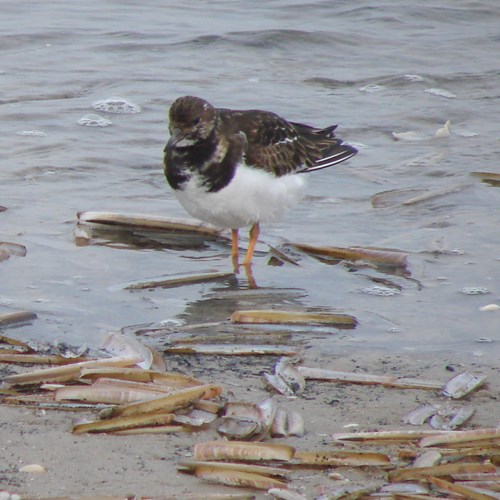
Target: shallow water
(374,69)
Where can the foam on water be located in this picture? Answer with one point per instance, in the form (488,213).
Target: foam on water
(116,105)
(93,120)
(381,291)
(32,133)
(441,93)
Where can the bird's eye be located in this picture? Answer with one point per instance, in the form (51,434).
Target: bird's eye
(196,120)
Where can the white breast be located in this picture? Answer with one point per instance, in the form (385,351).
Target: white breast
(252,196)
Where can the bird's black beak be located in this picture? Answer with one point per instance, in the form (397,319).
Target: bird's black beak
(175,136)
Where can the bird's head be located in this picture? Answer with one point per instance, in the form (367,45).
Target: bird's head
(191,120)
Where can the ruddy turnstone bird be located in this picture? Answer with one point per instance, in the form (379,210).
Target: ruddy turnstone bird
(236,168)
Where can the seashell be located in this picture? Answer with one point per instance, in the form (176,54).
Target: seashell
(291,375)
(489,307)
(295,424)
(409,488)
(462,384)
(420,415)
(120,345)
(238,450)
(239,428)
(444,131)
(236,478)
(279,427)
(33,469)
(285,494)
(428,459)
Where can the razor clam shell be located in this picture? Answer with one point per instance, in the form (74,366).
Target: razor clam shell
(238,450)
(67,372)
(236,478)
(285,494)
(169,403)
(148,222)
(273,316)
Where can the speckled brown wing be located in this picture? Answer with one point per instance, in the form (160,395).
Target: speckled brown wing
(282,147)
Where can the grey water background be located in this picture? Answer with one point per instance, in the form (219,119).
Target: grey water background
(372,67)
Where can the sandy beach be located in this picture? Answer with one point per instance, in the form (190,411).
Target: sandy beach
(142,465)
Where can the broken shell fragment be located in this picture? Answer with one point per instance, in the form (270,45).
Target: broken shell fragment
(120,345)
(285,494)
(291,375)
(420,415)
(295,424)
(239,428)
(279,427)
(462,384)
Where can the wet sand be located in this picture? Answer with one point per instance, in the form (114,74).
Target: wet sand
(146,465)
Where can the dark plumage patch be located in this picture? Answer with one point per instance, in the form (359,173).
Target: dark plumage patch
(211,142)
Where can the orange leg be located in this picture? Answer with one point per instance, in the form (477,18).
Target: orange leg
(234,248)
(254,234)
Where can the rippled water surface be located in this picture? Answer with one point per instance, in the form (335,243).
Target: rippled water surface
(373,67)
